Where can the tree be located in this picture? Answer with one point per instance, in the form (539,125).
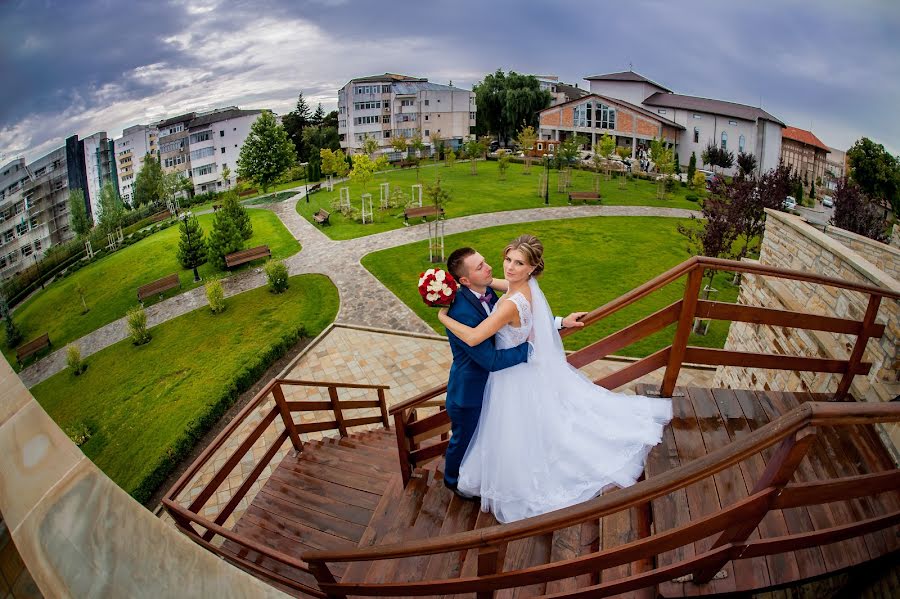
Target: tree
(875,171)
(747,163)
(78,217)
(692,168)
(662,159)
(605,148)
(294,124)
(191,245)
(238,215)
(111,209)
(363,171)
(710,156)
(712,235)
(267,152)
(224,239)
(503,164)
(677,164)
(226,176)
(749,198)
(318,116)
(172,184)
(450,158)
(369,146)
(569,149)
(527,138)
(334,163)
(148,185)
(437,146)
(331,120)
(854,211)
(474,149)
(506,102)
(418,148)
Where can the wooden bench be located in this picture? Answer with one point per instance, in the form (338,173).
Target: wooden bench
(584,196)
(32,347)
(248,192)
(237,258)
(216,207)
(159,216)
(407,163)
(321,217)
(158,287)
(421,211)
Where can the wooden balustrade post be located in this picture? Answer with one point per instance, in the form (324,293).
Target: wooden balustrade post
(413,416)
(777,474)
(323,575)
(859,349)
(286,417)
(682,332)
(488,563)
(382,402)
(444,436)
(336,408)
(402,446)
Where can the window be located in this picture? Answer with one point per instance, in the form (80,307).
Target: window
(21,229)
(732,122)
(207,169)
(387,134)
(172,146)
(34,222)
(222,133)
(366,120)
(366,105)
(427,133)
(27,250)
(386,118)
(37,245)
(724,140)
(426,117)
(696,135)
(579,116)
(741,141)
(8,236)
(697,116)
(540,146)
(203,152)
(406,102)
(202,136)
(223,150)
(606,116)
(472,116)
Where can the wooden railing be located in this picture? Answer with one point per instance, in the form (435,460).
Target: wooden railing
(411,431)
(792,434)
(189,518)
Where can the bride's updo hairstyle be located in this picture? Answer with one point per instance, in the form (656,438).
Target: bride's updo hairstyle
(533,249)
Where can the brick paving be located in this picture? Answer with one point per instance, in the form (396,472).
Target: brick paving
(363,299)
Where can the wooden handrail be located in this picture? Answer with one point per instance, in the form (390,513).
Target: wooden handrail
(807,414)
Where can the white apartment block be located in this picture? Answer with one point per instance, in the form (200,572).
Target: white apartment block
(136,142)
(201,145)
(389,105)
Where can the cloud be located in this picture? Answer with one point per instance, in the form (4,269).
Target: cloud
(88,66)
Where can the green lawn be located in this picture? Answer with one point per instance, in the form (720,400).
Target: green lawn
(111,283)
(482,193)
(590,261)
(145,403)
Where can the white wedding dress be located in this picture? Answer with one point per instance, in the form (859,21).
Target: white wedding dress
(548,438)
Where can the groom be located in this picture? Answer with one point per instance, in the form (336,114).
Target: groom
(471,365)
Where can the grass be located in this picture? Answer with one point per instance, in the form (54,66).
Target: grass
(254,200)
(142,403)
(111,282)
(482,193)
(590,262)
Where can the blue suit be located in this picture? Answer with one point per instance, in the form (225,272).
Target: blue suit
(468,377)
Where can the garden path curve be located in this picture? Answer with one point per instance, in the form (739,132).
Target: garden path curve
(363,299)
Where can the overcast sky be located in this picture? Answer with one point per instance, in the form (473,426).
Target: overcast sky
(69,67)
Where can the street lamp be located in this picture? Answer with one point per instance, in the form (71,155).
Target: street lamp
(546,180)
(187,231)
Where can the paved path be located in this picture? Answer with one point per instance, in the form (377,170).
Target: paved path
(363,299)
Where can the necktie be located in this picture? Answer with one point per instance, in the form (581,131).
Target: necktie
(485,298)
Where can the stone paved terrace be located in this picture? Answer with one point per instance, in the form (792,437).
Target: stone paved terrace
(408,362)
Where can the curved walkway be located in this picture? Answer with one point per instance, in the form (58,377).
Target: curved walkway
(364,300)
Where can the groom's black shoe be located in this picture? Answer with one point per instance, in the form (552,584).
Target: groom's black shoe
(459,493)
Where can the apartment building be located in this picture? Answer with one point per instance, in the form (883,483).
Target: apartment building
(390,105)
(652,110)
(174,156)
(136,142)
(836,167)
(805,155)
(560,93)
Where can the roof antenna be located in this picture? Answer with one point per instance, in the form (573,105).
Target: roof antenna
(630,67)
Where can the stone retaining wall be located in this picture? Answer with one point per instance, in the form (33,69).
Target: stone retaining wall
(791,243)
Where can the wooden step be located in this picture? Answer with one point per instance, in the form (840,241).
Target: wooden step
(461,515)
(276,568)
(382,518)
(525,553)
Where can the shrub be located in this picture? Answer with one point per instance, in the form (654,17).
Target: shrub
(691,197)
(79,433)
(73,359)
(13,334)
(215,295)
(277,274)
(137,325)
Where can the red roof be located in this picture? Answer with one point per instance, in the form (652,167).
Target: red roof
(803,136)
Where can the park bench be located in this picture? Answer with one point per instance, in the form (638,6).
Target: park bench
(584,196)
(159,216)
(321,216)
(32,347)
(158,286)
(407,163)
(248,192)
(237,258)
(421,211)
(314,187)
(216,207)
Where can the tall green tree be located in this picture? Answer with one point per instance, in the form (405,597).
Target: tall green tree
(418,148)
(363,171)
(369,145)
(224,239)
(875,171)
(148,185)
(111,210)
(854,211)
(316,139)
(692,168)
(474,149)
(334,163)
(78,217)
(605,148)
(318,116)
(527,137)
(191,244)
(267,152)
(508,101)
(238,215)
(294,124)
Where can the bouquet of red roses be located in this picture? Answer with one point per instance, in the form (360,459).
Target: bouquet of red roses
(437,287)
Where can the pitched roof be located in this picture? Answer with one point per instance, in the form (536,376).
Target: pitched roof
(741,111)
(571,91)
(629,105)
(804,137)
(625,76)
(220,115)
(386,77)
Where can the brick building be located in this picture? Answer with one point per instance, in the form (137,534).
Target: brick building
(806,156)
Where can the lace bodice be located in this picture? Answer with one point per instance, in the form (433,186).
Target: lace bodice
(510,336)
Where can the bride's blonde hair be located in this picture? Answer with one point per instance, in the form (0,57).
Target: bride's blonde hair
(533,249)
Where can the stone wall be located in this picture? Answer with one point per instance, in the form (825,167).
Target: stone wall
(791,243)
(884,257)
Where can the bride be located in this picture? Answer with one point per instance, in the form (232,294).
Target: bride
(548,438)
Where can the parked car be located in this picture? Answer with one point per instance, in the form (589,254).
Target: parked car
(789,203)
(494,145)
(827,201)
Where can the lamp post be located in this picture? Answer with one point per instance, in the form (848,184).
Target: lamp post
(546,180)
(187,231)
